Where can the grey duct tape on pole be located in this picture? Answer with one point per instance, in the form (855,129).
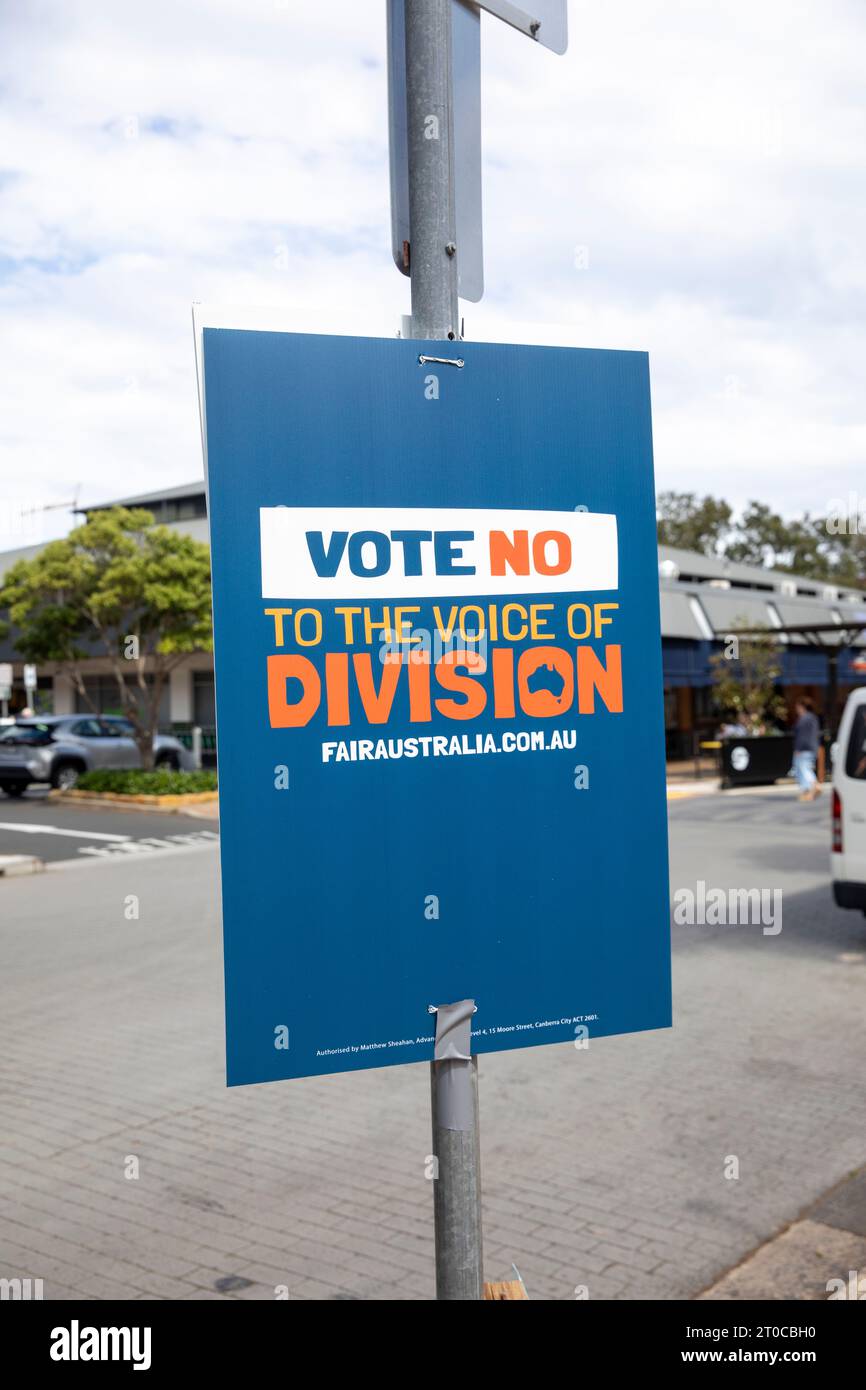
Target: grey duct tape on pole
(456,1146)
(453,1048)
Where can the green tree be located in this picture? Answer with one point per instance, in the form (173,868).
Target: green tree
(117,586)
(831,548)
(762,537)
(692,523)
(844,545)
(744,675)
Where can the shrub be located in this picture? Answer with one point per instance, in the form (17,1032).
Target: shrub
(162,782)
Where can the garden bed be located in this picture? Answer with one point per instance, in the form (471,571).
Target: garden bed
(161,788)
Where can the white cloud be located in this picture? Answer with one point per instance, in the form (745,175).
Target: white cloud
(707,154)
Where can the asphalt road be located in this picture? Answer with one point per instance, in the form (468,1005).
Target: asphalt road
(37,824)
(609,1169)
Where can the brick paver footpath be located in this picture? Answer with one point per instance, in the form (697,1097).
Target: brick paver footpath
(821,1256)
(602,1168)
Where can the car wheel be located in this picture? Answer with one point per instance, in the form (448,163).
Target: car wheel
(168,763)
(65,776)
(13,788)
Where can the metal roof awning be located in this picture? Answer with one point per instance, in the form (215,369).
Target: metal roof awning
(678,617)
(731,609)
(799,615)
(830,636)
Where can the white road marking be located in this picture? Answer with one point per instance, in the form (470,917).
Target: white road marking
(151,844)
(56,830)
(96,857)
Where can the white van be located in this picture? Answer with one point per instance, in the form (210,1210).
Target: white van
(848,858)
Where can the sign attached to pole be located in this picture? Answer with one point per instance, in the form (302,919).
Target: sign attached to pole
(30,681)
(5,681)
(439,697)
(546,21)
(466,81)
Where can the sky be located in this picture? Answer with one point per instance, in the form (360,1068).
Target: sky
(688,179)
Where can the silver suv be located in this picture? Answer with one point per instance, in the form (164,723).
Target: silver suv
(57,748)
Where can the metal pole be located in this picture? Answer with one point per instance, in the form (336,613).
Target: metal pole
(430,143)
(433,274)
(457,1188)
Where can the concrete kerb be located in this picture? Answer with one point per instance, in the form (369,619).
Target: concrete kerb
(138,801)
(13,864)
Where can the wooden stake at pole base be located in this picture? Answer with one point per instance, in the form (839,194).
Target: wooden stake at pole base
(506,1289)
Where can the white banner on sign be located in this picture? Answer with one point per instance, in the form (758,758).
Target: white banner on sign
(410,552)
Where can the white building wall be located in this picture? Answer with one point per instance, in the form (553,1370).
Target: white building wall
(180,695)
(64,695)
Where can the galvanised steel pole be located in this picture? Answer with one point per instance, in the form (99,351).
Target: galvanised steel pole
(433,255)
(457,1188)
(430,141)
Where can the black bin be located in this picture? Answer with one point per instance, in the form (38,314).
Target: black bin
(756,761)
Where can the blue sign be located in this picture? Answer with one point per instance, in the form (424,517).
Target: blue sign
(439,697)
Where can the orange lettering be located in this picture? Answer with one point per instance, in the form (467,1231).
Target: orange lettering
(284,715)
(514,552)
(563,552)
(542,703)
(503,682)
(592,676)
(419,687)
(476,695)
(337,686)
(377,703)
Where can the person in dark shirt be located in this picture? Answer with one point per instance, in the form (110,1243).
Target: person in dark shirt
(806,735)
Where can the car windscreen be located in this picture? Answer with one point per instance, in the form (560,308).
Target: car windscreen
(27,734)
(855,761)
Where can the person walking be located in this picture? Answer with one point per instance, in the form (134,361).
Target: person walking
(806,735)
